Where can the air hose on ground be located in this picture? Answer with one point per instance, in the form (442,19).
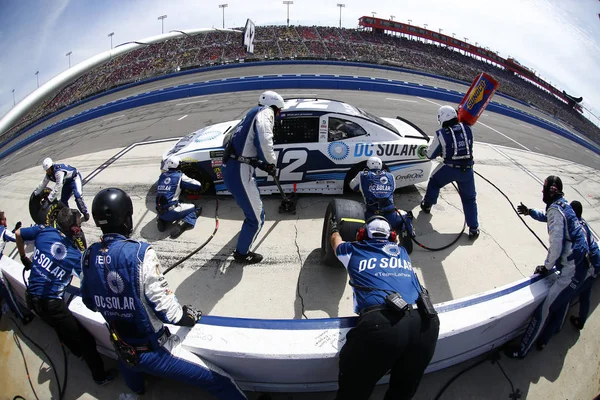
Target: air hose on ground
(465,223)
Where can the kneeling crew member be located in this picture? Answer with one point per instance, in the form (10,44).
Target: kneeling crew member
(168,206)
(392,333)
(454,143)
(67,182)
(56,257)
(377,187)
(122,280)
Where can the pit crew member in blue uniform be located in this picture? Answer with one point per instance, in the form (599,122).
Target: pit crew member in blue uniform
(6,235)
(55,258)
(392,333)
(453,143)
(251,146)
(568,252)
(594,259)
(170,184)
(377,187)
(122,280)
(67,182)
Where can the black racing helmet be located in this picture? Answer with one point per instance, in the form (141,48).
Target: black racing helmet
(112,210)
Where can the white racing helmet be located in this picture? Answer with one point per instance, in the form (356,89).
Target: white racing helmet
(374,163)
(172,162)
(270,98)
(47,163)
(446,113)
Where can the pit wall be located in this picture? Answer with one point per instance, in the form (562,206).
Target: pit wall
(275,82)
(302,355)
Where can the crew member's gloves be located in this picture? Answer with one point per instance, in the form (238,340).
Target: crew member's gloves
(26,262)
(334,226)
(270,169)
(522,209)
(17,226)
(45,203)
(422,151)
(540,269)
(190,316)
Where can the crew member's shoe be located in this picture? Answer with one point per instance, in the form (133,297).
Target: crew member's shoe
(249,258)
(111,375)
(161,225)
(575,322)
(179,228)
(513,352)
(426,207)
(473,233)
(198,211)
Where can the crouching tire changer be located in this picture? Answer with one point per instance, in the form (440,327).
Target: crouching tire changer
(168,206)
(398,326)
(123,281)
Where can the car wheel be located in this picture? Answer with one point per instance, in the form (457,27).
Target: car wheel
(42,216)
(195,172)
(350,215)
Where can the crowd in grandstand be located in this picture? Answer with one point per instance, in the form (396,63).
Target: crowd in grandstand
(300,42)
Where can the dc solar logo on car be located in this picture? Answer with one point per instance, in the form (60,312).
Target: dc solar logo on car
(338,150)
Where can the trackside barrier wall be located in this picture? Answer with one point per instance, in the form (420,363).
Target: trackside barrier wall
(242,65)
(287,81)
(302,355)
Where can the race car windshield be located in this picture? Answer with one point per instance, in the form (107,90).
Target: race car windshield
(378,121)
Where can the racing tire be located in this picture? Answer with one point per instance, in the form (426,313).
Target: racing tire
(45,216)
(195,172)
(350,217)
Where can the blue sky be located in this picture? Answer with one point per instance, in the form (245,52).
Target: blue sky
(559,39)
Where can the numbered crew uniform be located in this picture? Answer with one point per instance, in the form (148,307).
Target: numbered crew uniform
(453,143)
(168,206)
(392,333)
(377,187)
(122,280)
(55,258)
(567,251)
(251,146)
(67,182)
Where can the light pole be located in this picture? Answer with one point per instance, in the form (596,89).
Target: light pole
(14,102)
(466,39)
(110,35)
(340,5)
(374,13)
(69,55)
(287,3)
(223,6)
(392,17)
(425,25)
(453,35)
(410,21)
(162,23)
(37,75)
(441,30)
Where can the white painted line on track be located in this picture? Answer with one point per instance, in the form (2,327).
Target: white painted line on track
(191,102)
(526,126)
(408,101)
(111,118)
(70,130)
(297,94)
(429,101)
(182,117)
(509,138)
(537,148)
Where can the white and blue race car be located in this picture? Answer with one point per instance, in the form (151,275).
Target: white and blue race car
(320,146)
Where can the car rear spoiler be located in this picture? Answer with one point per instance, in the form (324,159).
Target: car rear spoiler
(424,135)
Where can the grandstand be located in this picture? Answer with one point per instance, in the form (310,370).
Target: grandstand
(301,42)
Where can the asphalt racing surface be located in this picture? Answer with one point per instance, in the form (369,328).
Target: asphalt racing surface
(291,283)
